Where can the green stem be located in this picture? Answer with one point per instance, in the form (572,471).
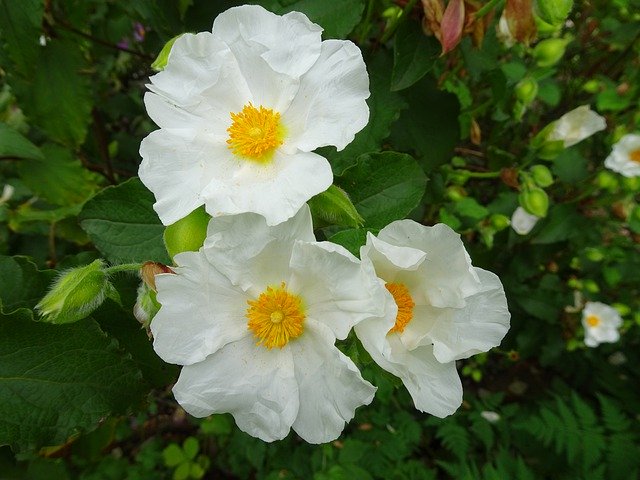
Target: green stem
(365,26)
(125,267)
(393,26)
(480,174)
(487,8)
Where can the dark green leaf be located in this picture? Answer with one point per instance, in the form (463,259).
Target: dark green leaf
(351,239)
(21,283)
(20,27)
(122,224)
(14,145)
(414,54)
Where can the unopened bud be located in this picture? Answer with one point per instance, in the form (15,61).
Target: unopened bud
(146,305)
(527,90)
(549,52)
(499,221)
(456,193)
(149,271)
(535,201)
(334,207)
(541,175)
(187,234)
(75,294)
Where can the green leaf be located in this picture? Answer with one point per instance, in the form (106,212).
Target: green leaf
(122,224)
(337,18)
(173,455)
(333,207)
(191,447)
(14,145)
(21,283)
(384,186)
(469,207)
(414,54)
(71,378)
(429,127)
(59,178)
(182,472)
(384,109)
(351,239)
(562,223)
(20,27)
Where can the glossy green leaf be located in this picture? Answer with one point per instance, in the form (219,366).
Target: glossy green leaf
(123,225)
(414,54)
(351,239)
(73,376)
(384,186)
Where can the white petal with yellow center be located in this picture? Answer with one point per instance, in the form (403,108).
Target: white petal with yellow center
(625,156)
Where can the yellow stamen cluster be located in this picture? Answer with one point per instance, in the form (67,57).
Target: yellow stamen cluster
(276,317)
(592,321)
(255,132)
(405,304)
(635,155)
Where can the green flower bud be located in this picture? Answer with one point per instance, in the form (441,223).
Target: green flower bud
(187,234)
(553,12)
(631,184)
(527,90)
(499,221)
(549,52)
(455,193)
(607,181)
(334,207)
(594,255)
(75,294)
(591,86)
(535,201)
(146,305)
(541,175)
(163,57)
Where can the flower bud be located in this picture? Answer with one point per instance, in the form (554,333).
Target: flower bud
(149,271)
(541,175)
(163,57)
(535,201)
(499,221)
(146,305)
(334,207)
(75,294)
(607,181)
(553,12)
(549,52)
(455,193)
(187,234)
(527,90)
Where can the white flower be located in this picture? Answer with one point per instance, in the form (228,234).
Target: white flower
(601,323)
(253,317)
(489,416)
(445,310)
(625,156)
(576,125)
(503,32)
(522,221)
(240,111)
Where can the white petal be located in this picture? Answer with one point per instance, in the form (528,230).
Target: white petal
(290,44)
(479,326)
(330,385)
(256,385)
(577,125)
(330,107)
(201,311)
(390,259)
(337,291)
(249,252)
(522,221)
(276,190)
(619,159)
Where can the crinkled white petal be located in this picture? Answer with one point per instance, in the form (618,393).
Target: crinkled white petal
(256,385)
(577,125)
(477,327)
(200,311)
(619,160)
(522,221)
(389,260)
(252,254)
(289,44)
(337,290)
(446,276)
(609,321)
(276,190)
(330,385)
(425,319)
(330,107)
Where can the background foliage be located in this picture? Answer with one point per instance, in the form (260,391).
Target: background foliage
(90,400)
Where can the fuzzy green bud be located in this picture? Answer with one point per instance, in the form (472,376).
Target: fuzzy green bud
(535,201)
(163,57)
(75,294)
(499,221)
(541,175)
(187,234)
(527,90)
(553,12)
(549,52)
(334,207)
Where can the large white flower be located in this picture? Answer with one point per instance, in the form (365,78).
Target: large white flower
(576,125)
(601,323)
(253,317)
(240,111)
(446,310)
(625,156)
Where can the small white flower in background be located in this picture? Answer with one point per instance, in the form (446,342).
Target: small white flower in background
(601,323)
(522,221)
(625,156)
(491,417)
(241,110)
(445,310)
(253,317)
(576,125)
(7,193)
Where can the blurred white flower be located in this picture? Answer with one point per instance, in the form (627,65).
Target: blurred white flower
(491,417)
(440,309)
(7,193)
(576,125)
(625,156)
(253,317)
(241,110)
(522,221)
(601,323)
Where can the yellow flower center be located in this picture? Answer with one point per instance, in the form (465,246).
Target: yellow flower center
(405,304)
(276,317)
(593,321)
(255,133)
(635,156)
